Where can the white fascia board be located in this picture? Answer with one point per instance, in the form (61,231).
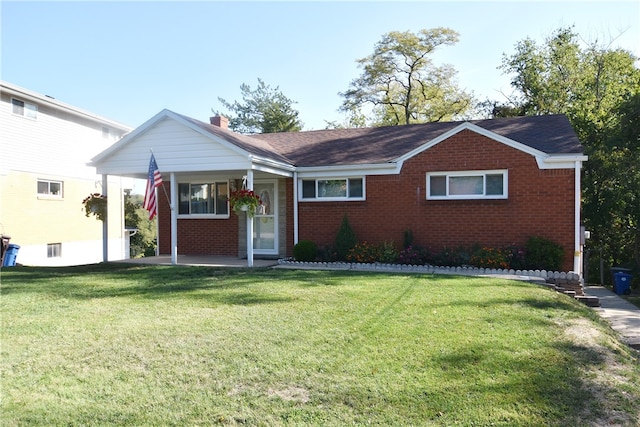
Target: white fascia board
(477,129)
(349,170)
(561,161)
(28,95)
(272,167)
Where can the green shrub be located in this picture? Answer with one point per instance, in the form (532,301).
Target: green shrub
(327,253)
(543,254)
(363,252)
(407,239)
(452,257)
(487,257)
(388,253)
(305,251)
(345,239)
(412,255)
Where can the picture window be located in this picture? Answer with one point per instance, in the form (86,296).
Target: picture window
(467,185)
(203,199)
(332,189)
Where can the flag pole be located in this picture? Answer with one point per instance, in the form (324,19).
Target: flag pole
(163,188)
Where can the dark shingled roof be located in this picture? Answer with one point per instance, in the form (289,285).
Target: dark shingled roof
(551,134)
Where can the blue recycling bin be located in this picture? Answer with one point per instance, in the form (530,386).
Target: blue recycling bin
(11,255)
(622,283)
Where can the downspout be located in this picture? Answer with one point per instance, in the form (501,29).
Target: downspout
(295,208)
(174,220)
(249,223)
(105,223)
(124,235)
(577,254)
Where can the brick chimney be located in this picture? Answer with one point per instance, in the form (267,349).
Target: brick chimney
(220,121)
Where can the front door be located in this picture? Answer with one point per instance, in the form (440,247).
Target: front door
(265,221)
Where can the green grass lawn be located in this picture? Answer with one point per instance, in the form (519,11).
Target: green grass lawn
(129,345)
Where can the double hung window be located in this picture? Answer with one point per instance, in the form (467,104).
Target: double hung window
(467,185)
(204,199)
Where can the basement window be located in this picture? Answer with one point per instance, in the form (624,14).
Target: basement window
(465,185)
(54,250)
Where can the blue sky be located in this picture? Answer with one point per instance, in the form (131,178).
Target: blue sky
(129,60)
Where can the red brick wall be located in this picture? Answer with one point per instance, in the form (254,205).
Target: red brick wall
(197,236)
(540,203)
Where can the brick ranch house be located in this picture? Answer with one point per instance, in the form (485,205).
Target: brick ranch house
(490,182)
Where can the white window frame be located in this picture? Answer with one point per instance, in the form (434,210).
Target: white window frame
(317,198)
(28,109)
(482,173)
(204,215)
(48,195)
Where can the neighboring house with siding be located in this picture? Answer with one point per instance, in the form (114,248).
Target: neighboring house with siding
(488,182)
(45,148)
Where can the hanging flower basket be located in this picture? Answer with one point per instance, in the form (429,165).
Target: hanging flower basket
(244,201)
(96,204)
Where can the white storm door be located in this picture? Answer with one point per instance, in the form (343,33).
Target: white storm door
(265,221)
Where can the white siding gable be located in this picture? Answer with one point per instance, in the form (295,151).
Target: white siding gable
(54,143)
(177,148)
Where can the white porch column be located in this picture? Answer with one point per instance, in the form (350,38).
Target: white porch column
(174,220)
(249,224)
(577,251)
(105,223)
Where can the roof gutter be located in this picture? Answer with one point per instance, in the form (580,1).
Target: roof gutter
(561,161)
(54,103)
(390,168)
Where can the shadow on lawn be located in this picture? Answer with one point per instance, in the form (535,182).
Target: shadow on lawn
(558,391)
(123,280)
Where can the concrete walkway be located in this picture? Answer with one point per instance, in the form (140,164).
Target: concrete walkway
(623,316)
(201,260)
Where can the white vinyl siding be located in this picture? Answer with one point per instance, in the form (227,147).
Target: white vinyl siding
(196,153)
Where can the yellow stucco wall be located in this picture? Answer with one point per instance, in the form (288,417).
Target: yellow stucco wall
(32,219)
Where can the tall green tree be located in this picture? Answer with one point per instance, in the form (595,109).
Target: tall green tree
(262,110)
(597,87)
(402,84)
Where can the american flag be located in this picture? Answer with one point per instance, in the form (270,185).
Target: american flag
(154,179)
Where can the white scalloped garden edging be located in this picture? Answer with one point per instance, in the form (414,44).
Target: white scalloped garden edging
(430,269)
